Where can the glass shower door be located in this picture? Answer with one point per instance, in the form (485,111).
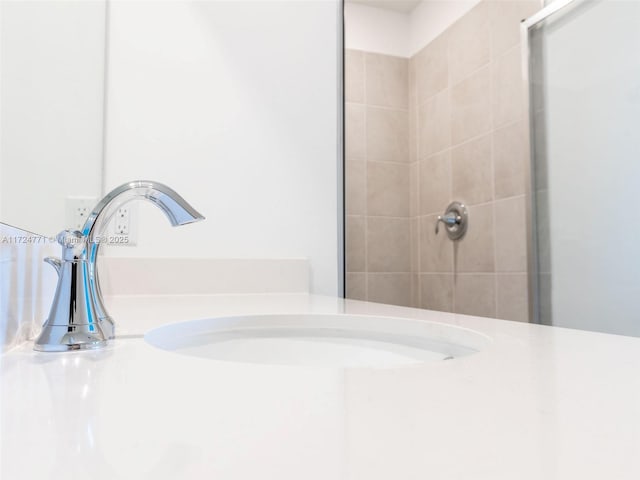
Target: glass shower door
(584,77)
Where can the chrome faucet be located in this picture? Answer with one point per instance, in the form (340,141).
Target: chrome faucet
(78,319)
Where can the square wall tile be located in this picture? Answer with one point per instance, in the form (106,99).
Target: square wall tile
(511,235)
(388,189)
(388,245)
(436,251)
(475,251)
(475,295)
(412,80)
(472,171)
(414,232)
(415,290)
(510,159)
(413,131)
(435,183)
(469,43)
(356,287)
(512,297)
(354,76)
(436,291)
(414,193)
(387,80)
(354,127)
(387,135)
(355,246)
(507,88)
(413,112)
(471,107)
(389,288)
(431,68)
(434,125)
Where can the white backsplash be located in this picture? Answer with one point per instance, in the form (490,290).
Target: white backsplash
(203,276)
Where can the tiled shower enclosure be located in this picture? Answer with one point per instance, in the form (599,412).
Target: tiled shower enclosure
(446,124)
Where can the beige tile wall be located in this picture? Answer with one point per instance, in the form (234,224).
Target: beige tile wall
(458,106)
(377,178)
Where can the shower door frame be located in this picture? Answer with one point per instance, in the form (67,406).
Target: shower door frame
(548,10)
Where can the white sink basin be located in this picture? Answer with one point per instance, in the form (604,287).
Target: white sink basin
(318,340)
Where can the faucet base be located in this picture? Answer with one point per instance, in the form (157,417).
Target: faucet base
(108,328)
(64,338)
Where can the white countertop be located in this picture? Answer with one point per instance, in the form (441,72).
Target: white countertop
(538,403)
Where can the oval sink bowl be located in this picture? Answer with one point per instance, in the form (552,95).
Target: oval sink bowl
(318,340)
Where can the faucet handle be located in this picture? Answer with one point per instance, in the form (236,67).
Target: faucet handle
(55,263)
(72,242)
(449,219)
(69,238)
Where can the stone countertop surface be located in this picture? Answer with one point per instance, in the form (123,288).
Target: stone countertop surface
(537,403)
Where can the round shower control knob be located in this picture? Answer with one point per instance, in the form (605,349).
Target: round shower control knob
(455,219)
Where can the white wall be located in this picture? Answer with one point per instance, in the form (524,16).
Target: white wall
(235,106)
(51,108)
(383,31)
(432,17)
(376,30)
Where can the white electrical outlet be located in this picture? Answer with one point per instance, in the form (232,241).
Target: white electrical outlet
(78,210)
(121,230)
(122,221)
(122,227)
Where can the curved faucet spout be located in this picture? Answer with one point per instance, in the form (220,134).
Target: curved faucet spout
(176,208)
(78,318)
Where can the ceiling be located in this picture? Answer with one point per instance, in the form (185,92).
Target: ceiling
(402,6)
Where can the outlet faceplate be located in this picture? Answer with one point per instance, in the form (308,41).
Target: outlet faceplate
(121,230)
(122,227)
(122,221)
(77,211)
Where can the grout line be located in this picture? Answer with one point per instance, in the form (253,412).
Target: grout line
(375,106)
(418,226)
(387,273)
(390,162)
(454,245)
(390,217)
(471,139)
(366,181)
(453,146)
(509,124)
(506,52)
(386,107)
(513,197)
(482,204)
(450,84)
(463,274)
(493,184)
